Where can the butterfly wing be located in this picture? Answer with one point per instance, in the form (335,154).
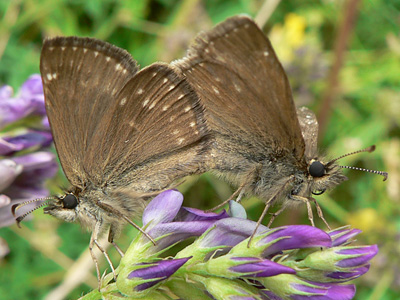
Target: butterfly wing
(110,121)
(245,91)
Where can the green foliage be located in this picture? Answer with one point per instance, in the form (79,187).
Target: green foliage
(365,111)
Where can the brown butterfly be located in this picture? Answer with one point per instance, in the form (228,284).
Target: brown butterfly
(262,143)
(121,134)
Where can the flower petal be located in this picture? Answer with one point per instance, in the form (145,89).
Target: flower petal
(295,237)
(256,267)
(230,231)
(188,214)
(342,235)
(9,170)
(163,208)
(237,210)
(155,271)
(363,254)
(30,139)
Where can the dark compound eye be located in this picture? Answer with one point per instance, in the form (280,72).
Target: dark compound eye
(70,201)
(317,169)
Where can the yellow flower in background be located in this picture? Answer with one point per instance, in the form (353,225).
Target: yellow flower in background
(285,39)
(366,219)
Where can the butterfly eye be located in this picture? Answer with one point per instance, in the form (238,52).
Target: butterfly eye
(317,169)
(70,201)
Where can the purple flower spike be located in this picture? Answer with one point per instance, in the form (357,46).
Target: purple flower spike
(150,274)
(163,208)
(257,267)
(342,235)
(360,256)
(295,237)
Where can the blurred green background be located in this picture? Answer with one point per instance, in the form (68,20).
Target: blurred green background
(343,61)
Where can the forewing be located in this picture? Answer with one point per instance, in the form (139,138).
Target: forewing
(154,133)
(244,88)
(81,77)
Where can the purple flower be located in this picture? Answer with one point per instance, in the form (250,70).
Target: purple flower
(22,180)
(22,176)
(289,262)
(343,235)
(258,267)
(149,274)
(37,139)
(169,223)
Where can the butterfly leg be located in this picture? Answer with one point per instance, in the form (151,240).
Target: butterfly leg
(113,232)
(93,238)
(320,213)
(309,209)
(268,205)
(226,201)
(275,214)
(107,258)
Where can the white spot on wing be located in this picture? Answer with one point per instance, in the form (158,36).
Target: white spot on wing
(165,107)
(118,67)
(49,76)
(108,58)
(216,90)
(140,91)
(187,108)
(165,80)
(237,87)
(181,96)
(180,141)
(171,87)
(84,50)
(95,53)
(74,48)
(192,124)
(176,131)
(62,48)
(145,102)
(266,53)
(123,101)
(152,105)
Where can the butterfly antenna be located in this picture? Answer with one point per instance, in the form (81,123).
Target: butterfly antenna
(369,149)
(15,207)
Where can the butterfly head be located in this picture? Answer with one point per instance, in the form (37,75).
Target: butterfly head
(326,175)
(65,207)
(70,207)
(323,176)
